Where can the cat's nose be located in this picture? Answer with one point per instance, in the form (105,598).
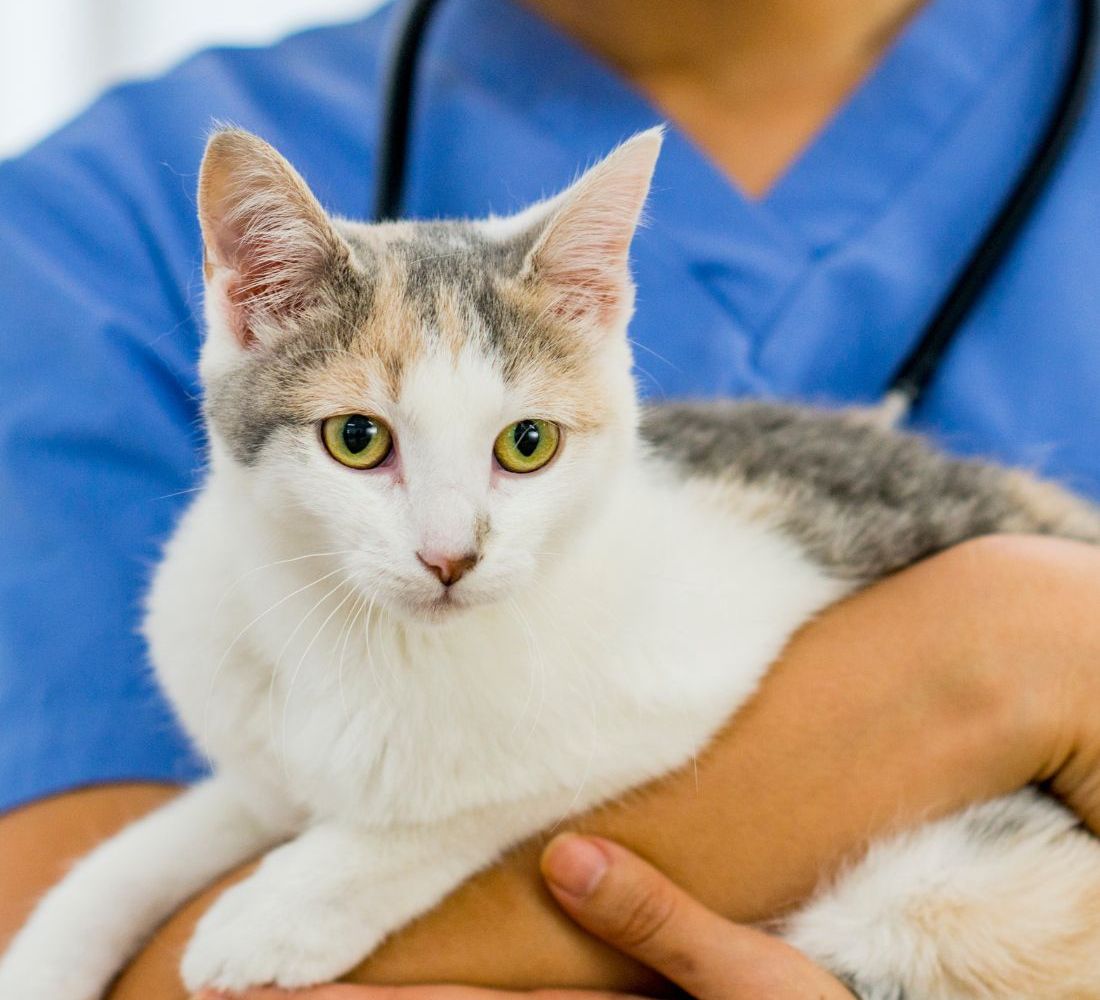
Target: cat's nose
(447,569)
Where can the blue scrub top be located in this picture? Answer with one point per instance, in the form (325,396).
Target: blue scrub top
(815,291)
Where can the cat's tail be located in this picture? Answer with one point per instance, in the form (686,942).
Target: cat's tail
(1001,901)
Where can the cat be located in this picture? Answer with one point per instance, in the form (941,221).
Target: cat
(448,582)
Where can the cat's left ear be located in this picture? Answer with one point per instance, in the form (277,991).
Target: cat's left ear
(270,248)
(580,257)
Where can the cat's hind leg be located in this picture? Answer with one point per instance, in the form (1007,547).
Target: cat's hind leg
(1001,902)
(86,927)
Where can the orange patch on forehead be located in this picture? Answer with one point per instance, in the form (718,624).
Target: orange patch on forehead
(556,366)
(453,324)
(377,356)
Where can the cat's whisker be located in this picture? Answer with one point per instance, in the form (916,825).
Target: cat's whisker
(531,667)
(179,493)
(649,350)
(392,680)
(652,378)
(278,562)
(240,635)
(387,662)
(539,663)
(305,653)
(593,727)
(345,631)
(275,671)
(367,637)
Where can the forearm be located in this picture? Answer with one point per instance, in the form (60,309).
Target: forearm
(865,724)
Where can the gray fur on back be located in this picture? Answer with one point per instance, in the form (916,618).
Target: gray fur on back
(861,500)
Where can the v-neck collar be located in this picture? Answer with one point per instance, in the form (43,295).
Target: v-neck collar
(925,80)
(493,60)
(919,90)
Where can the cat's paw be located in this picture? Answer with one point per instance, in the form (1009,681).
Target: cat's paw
(257,935)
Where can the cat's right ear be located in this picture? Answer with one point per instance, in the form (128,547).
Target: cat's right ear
(268,244)
(580,259)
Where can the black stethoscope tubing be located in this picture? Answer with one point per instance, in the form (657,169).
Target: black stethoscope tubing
(398,86)
(915,373)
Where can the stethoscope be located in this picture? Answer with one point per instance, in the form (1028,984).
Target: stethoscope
(916,372)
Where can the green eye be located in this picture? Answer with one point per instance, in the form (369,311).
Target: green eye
(527,445)
(356,440)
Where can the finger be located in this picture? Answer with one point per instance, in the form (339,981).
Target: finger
(628,903)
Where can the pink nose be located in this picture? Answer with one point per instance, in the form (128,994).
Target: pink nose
(448,569)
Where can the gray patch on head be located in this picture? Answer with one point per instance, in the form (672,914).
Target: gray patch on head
(459,259)
(248,404)
(456,261)
(861,501)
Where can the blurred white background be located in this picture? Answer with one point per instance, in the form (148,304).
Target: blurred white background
(56,55)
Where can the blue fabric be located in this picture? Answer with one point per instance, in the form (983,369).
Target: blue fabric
(815,291)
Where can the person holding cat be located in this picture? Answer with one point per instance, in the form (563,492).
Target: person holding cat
(788,283)
(622,900)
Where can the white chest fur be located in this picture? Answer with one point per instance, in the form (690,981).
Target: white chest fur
(619,665)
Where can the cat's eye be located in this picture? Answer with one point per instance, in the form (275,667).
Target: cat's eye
(527,445)
(356,440)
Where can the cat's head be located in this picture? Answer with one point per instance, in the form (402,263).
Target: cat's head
(443,402)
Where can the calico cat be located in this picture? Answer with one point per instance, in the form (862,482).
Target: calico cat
(448,582)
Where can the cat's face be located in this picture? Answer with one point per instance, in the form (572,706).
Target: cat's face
(441,403)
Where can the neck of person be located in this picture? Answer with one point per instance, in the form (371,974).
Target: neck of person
(750,81)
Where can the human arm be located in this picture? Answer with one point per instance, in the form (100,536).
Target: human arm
(619,898)
(962,678)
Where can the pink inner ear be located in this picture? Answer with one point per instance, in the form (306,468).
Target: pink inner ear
(590,288)
(265,233)
(582,257)
(238,319)
(267,281)
(583,263)
(273,259)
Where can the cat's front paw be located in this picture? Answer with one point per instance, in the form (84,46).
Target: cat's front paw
(257,936)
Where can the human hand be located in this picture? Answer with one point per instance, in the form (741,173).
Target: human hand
(621,899)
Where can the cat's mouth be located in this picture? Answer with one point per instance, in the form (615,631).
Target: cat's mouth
(441,606)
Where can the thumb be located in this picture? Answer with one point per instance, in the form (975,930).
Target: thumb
(616,896)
